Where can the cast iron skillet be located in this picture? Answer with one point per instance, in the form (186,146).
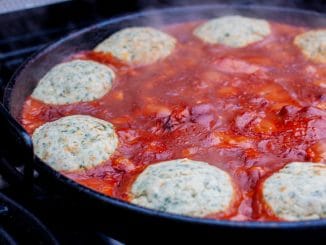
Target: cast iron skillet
(120,219)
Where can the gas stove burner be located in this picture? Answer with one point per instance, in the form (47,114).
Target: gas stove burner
(19,226)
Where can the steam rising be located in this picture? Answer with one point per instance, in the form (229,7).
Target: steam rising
(234,8)
(312,4)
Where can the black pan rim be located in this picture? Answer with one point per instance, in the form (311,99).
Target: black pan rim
(296,225)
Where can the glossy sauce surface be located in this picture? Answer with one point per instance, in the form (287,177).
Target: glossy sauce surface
(248,111)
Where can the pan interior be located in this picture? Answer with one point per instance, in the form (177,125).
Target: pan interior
(26,78)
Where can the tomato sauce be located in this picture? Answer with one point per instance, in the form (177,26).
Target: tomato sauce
(248,111)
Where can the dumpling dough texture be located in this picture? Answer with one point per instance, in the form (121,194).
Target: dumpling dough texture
(233,31)
(297,191)
(74,81)
(185,187)
(138,45)
(313,45)
(75,142)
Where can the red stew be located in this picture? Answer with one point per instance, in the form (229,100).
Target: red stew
(248,111)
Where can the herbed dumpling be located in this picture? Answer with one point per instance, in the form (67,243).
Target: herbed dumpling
(297,191)
(138,45)
(74,81)
(313,45)
(75,142)
(185,187)
(233,31)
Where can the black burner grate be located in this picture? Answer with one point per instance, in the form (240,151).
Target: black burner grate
(23,33)
(19,226)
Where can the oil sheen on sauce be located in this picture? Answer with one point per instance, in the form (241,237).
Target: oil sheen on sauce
(248,111)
